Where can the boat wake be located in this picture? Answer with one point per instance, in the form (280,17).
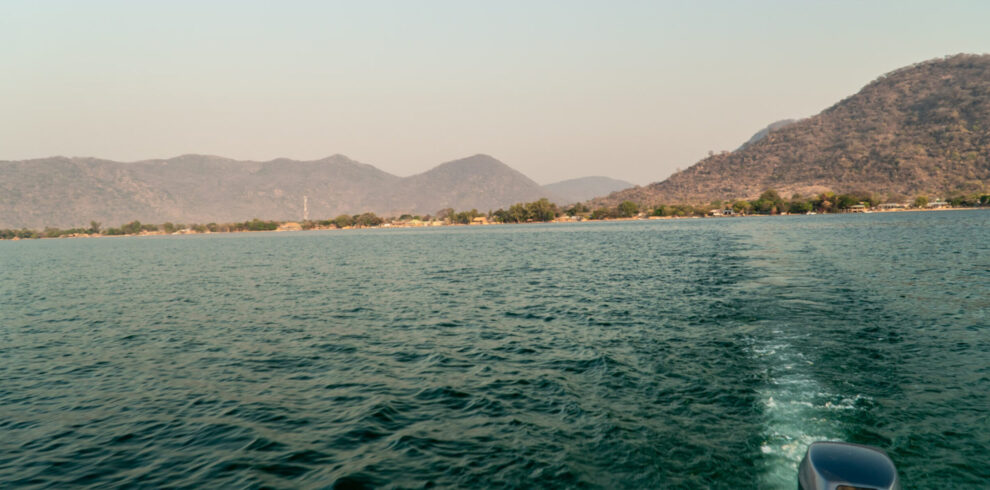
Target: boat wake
(797,410)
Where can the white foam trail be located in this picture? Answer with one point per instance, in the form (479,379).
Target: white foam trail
(798,411)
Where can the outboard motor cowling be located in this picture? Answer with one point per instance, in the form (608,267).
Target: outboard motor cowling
(845,466)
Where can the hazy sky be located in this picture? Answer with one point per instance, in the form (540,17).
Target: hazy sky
(628,89)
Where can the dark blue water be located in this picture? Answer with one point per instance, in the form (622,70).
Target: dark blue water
(674,354)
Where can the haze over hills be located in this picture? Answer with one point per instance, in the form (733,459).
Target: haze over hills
(584,188)
(921,129)
(66,192)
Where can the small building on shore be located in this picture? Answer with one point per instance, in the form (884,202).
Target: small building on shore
(892,206)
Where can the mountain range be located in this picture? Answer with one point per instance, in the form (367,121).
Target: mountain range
(921,129)
(66,192)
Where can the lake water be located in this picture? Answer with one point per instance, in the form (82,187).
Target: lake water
(672,354)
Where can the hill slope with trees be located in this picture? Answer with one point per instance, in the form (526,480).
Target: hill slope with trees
(921,129)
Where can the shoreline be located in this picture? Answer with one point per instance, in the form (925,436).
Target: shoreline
(389,226)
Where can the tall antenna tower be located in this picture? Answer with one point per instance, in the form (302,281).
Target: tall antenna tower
(305,208)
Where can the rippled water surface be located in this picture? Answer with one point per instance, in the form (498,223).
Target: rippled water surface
(671,354)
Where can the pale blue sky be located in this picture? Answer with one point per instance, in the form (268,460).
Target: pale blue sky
(628,89)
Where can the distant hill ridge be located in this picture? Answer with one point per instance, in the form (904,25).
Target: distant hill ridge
(921,129)
(65,192)
(584,188)
(766,131)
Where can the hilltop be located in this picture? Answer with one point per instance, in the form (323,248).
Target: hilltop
(480,182)
(921,129)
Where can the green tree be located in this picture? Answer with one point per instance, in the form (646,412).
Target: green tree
(518,214)
(445,214)
(132,228)
(577,209)
(259,225)
(464,217)
(799,205)
(686,210)
(963,200)
(368,219)
(825,202)
(846,201)
(628,209)
(742,207)
(343,221)
(603,213)
(769,202)
(921,201)
(541,210)
(501,216)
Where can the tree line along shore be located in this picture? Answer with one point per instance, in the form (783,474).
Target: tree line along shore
(770,202)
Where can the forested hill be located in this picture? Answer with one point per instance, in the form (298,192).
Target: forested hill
(921,129)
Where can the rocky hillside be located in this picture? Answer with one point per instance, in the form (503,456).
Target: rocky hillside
(922,129)
(65,192)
